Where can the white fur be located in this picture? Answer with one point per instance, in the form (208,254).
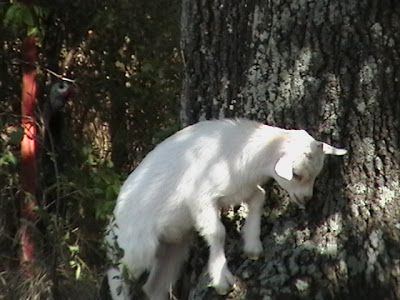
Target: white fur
(182,184)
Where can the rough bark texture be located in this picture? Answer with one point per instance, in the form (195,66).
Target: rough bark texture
(332,68)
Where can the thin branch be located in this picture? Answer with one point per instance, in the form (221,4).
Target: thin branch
(59,76)
(36,65)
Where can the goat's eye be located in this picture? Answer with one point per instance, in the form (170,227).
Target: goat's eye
(298,177)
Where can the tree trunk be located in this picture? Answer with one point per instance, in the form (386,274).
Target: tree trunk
(28,155)
(118,128)
(332,68)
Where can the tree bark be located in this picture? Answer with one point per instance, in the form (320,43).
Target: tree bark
(118,128)
(28,155)
(332,68)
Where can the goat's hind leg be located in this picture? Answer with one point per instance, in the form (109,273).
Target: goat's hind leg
(119,289)
(209,225)
(166,269)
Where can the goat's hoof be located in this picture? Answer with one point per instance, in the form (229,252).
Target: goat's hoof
(237,285)
(222,290)
(224,284)
(253,257)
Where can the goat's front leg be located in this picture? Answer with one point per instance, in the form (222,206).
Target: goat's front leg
(209,225)
(251,229)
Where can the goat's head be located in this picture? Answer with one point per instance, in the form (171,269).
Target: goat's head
(300,161)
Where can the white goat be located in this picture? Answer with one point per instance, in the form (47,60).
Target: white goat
(182,184)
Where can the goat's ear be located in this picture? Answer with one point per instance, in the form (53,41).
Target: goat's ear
(284,167)
(328,149)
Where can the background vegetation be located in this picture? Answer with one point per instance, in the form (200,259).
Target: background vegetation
(329,66)
(124,58)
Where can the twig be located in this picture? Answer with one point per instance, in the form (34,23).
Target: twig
(36,65)
(59,76)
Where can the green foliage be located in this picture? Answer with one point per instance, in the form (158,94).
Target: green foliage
(7,159)
(89,189)
(19,16)
(124,56)
(16,136)
(98,183)
(9,140)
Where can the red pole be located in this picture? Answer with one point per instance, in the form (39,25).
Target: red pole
(28,153)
